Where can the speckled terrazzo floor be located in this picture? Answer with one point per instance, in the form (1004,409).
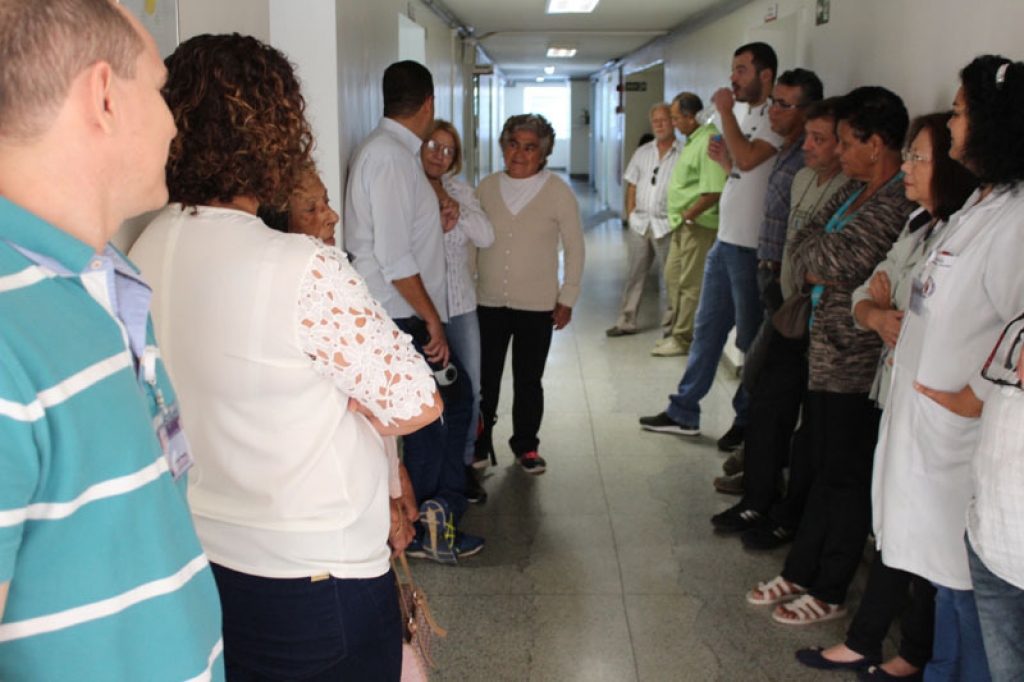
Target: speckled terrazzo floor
(605,568)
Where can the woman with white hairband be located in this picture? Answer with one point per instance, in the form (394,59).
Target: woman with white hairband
(964,293)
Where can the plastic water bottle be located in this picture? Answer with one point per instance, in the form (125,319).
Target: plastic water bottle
(706,115)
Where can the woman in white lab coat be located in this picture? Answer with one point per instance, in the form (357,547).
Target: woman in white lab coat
(964,293)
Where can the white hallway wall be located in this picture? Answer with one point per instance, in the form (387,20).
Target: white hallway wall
(913,47)
(340,49)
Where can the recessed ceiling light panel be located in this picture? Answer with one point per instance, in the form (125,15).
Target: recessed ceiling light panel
(561,51)
(571,6)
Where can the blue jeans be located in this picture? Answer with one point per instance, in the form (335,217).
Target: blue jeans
(958,653)
(298,629)
(464,340)
(1001,612)
(434,455)
(729,296)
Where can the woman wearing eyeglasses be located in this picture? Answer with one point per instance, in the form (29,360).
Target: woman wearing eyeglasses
(940,186)
(965,292)
(466,229)
(534,212)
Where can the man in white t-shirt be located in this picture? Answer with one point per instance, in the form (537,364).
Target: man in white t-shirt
(649,232)
(729,293)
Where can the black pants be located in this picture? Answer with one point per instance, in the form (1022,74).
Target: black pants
(788,510)
(885,597)
(530,335)
(842,432)
(774,409)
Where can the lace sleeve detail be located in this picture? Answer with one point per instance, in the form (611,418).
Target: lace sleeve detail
(352,341)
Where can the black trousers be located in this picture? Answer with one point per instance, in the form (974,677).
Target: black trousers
(775,402)
(842,432)
(891,592)
(529,332)
(788,510)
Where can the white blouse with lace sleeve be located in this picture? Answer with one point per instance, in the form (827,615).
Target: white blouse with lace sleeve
(354,343)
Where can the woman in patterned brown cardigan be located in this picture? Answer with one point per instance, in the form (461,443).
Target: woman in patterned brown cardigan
(834,253)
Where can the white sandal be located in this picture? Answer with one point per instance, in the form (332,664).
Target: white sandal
(775,591)
(809,611)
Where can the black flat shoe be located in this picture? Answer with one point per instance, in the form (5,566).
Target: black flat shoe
(812,658)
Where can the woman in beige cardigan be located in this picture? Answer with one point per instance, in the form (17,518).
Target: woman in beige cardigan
(518,293)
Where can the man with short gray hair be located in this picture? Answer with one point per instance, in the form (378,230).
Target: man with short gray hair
(101,574)
(648,235)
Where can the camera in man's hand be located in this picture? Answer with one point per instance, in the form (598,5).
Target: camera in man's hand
(447,376)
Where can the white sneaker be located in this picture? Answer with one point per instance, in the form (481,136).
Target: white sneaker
(669,349)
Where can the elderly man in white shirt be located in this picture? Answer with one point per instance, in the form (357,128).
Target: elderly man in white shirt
(646,196)
(393,231)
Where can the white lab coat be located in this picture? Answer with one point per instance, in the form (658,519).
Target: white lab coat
(966,290)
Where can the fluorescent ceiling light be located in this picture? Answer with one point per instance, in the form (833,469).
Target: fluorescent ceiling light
(561,52)
(571,6)
(549,70)
(540,79)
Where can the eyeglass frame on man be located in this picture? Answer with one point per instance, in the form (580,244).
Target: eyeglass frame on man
(785,106)
(654,175)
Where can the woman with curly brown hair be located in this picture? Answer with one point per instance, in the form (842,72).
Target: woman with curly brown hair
(289,374)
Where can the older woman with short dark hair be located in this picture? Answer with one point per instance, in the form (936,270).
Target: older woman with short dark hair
(534,212)
(289,375)
(834,252)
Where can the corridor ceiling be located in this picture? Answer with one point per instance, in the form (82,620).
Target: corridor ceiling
(516,34)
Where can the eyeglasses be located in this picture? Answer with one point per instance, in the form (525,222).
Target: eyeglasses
(654,176)
(914,159)
(435,147)
(785,106)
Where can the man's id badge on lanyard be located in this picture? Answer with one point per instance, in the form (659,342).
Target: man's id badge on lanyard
(167,425)
(172,439)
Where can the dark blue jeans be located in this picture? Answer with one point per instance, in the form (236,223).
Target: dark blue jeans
(298,629)
(1001,612)
(958,653)
(434,456)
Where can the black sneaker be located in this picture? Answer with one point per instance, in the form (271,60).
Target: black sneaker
(735,519)
(732,439)
(475,493)
(532,463)
(662,423)
(766,536)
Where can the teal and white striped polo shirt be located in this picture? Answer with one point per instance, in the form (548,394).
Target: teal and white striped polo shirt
(107,578)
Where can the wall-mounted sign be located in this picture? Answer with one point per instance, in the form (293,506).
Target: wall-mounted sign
(823,12)
(160,17)
(772,12)
(636,86)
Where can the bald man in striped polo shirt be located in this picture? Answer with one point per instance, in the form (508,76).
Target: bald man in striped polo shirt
(101,574)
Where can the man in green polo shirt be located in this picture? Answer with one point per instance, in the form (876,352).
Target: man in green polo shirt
(693,192)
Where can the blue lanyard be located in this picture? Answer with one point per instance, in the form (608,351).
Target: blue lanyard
(835,225)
